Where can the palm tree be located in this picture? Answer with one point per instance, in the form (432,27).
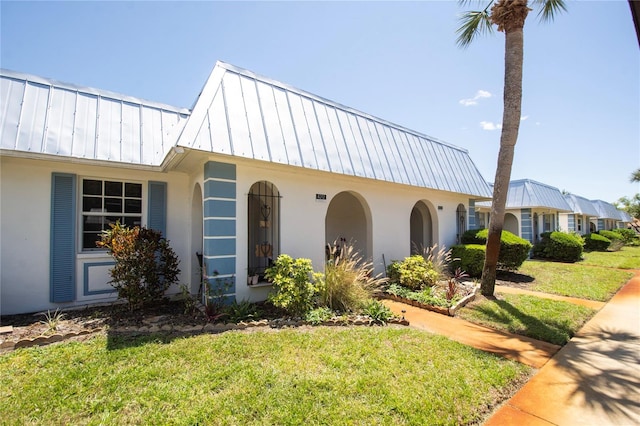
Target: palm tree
(509,17)
(635,176)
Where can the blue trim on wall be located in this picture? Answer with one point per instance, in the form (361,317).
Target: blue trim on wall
(219,246)
(157,212)
(472,214)
(600,225)
(86,291)
(219,189)
(526,225)
(219,208)
(217,170)
(62,257)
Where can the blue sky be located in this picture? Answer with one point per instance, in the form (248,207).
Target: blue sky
(580,129)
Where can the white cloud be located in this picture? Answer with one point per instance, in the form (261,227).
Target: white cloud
(489,125)
(524,117)
(474,101)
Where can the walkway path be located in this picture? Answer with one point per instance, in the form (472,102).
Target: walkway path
(519,348)
(594,379)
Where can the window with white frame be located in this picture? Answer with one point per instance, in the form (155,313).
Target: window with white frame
(105,202)
(549,223)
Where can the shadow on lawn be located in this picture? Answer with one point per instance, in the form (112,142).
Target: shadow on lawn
(555,332)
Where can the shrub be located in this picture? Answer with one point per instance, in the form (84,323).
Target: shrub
(560,246)
(595,242)
(319,315)
(145,266)
(610,235)
(513,249)
(413,272)
(627,235)
(377,311)
(439,259)
(292,290)
(348,281)
(469,258)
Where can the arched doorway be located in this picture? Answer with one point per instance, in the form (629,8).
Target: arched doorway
(196,239)
(421,227)
(461,222)
(349,220)
(511,224)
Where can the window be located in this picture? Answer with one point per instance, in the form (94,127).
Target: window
(548,222)
(264,227)
(105,202)
(579,224)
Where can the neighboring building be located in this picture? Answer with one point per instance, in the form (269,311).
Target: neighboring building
(579,219)
(625,220)
(608,216)
(532,208)
(257,168)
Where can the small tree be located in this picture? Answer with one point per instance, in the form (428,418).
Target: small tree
(145,264)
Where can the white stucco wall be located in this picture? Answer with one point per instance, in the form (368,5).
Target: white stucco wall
(303,217)
(25,216)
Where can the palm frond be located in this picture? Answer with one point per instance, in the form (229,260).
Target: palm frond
(473,23)
(549,9)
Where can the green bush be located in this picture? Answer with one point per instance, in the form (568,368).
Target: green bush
(513,249)
(413,272)
(627,235)
(596,242)
(469,258)
(293,289)
(610,235)
(560,246)
(471,237)
(377,311)
(145,266)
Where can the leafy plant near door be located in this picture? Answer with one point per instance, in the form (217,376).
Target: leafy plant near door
(145,265)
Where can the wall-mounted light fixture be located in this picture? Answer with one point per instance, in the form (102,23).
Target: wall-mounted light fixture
(440,207)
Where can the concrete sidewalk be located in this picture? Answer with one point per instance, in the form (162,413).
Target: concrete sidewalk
(594,379)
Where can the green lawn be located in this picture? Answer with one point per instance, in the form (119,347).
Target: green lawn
(552,321)
(358,375)
(575,279)
(626,258)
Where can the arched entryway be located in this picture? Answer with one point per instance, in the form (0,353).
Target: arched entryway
(196,239)
(511,224)
(349,220)
(461,222)
(421,226)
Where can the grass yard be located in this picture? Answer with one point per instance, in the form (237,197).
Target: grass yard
(627,258)
(552,321)
(324,375)
(575,279)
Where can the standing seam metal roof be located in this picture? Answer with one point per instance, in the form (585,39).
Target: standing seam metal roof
(237,113)
(606,210)
(242,114)
(527,193)
(581,205)
(43,116)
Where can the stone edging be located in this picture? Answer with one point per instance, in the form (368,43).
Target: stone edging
(210,328)
(451,311)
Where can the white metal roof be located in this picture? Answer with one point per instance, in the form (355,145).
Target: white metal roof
(625,217)
(606,210)
(242,114)
(42,116)
(581,205)
(527,193)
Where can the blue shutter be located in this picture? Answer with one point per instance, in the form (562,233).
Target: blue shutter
(157,214)
(62,269)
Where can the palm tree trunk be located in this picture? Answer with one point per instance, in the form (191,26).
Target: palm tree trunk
(510,126)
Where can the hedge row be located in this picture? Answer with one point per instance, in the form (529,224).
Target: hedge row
(559,246)
(513,251)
